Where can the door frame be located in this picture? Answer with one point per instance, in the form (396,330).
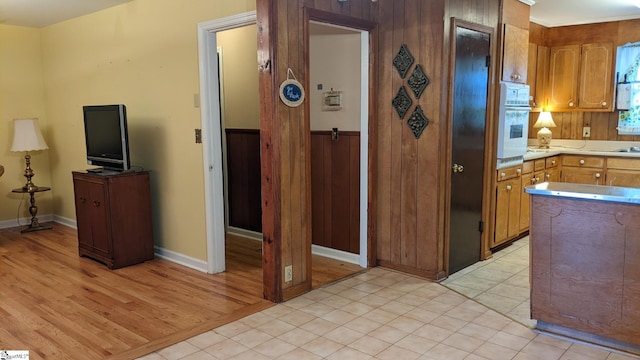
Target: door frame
(212,134)
(368,133)
(489,149)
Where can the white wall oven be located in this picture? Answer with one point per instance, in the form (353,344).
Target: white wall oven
(513,124)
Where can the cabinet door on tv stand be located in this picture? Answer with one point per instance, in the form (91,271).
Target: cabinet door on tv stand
(93,229)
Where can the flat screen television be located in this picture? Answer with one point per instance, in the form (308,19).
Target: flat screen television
(105,130)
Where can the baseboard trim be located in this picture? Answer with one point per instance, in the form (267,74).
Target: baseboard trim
(24,221)
(315,249)
(65,221)
(249,234)
(178,258)
(336,254)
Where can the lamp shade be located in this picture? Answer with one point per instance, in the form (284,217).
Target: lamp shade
(27,136)
(544,120)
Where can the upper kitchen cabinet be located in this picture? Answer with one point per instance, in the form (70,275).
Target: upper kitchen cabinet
(515,54)
(538,74)
(596,84)
(580,77)
(564,65)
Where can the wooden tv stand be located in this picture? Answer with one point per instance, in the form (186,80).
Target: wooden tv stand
(113,214)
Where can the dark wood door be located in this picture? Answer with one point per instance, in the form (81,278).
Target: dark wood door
(470,93)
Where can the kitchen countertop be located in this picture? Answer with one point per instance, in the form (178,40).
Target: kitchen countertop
(586,192)
(582,147)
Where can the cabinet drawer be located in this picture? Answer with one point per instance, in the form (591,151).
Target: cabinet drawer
(509,173)
(551,162)
(623,163)
(583,161)
(527,167)
(539,165)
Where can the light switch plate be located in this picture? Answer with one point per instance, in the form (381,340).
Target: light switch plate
(586,132)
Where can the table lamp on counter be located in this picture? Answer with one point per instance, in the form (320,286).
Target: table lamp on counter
(27,137)
(544,122)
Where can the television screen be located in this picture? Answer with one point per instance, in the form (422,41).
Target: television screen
(105,128)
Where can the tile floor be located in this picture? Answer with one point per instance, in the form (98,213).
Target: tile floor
(500,283)
(379,314)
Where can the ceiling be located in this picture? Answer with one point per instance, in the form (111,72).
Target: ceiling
(550,13)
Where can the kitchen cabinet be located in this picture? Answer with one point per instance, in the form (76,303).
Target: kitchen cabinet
(113,214)
(623,172)
(535,172)
(580,77)
(563,77)
(508,190)
(538,74)
(515,54)
(582,169)
(596,83)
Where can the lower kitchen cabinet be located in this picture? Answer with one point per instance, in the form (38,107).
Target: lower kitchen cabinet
(582,169)
(623,172)
(113,214)
(508,193)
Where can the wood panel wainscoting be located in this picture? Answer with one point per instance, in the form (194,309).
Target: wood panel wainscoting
(243,175)
(335,190)
(57,304)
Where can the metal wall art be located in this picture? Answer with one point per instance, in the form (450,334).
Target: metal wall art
(418,81)
(402,102)
(403,61)
(417,122)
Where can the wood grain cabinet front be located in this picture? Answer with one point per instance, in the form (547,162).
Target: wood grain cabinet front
(508,194)
(113,214)
(583,169)
(515,54)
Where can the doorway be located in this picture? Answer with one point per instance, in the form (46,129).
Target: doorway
(469,116)
(245,254)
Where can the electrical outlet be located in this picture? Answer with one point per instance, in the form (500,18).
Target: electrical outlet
(288,273)
(586,132)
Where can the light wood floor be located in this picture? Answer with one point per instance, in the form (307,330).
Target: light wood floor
(58,305)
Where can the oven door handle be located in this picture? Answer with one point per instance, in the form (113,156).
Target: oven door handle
(517,108)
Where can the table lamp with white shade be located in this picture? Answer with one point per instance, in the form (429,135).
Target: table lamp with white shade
(27,137)
(544,122)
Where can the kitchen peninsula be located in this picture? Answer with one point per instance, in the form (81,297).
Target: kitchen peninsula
(585,262)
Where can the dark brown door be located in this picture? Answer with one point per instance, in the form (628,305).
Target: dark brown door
(470,90)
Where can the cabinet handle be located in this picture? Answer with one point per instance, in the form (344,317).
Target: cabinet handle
(553,162)
(96,203)
(537,179)
(604,104)
(508,187)
(533,181)
(503,174)
(581,162)
(571,104)
(547,176)
(518,171)
(83,200)
(597,175)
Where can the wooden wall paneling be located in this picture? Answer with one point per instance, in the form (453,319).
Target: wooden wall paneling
(243,167)
(516,13)
(430,237)
(339,159)
(583,34)
(408,149)
(386,117)
(628,31)
(397,124)
(538,34)
(266,13)
(354,194)
(317,191)
(298,160)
